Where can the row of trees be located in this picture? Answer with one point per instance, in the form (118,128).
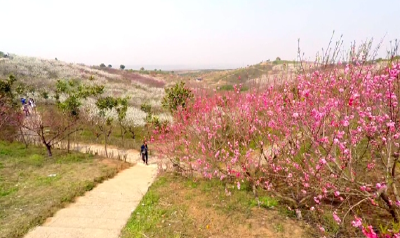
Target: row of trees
(102,65)
(62,112)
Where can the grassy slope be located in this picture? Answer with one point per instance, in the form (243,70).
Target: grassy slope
(33,186)
(43,73)
(203,209)
(86,136)
(225,79)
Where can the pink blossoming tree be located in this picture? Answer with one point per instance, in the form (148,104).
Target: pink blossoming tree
(326,142)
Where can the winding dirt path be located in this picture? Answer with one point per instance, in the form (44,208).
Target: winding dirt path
(103,211)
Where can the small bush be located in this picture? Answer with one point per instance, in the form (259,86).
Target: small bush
(176,96)
(227,87)
(146,108)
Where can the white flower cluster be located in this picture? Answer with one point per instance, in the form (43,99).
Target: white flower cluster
(43,74)
(165,117)
(43,68)
(134,116)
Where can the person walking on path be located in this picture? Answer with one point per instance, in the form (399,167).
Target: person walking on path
(26,110)
(32,103)
(144,153)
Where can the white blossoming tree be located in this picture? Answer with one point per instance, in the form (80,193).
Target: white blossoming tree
(55,124)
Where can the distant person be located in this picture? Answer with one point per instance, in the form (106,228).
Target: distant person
(26,109)
(144,153)
(23,101)
(32,103)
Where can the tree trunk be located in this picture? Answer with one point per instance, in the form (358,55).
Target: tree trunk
(391,209)
(48,147)
(394,187)
(68,143)
(23,137)
(105,144)
(122,135)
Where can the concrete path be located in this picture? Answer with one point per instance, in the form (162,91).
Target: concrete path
(104,211)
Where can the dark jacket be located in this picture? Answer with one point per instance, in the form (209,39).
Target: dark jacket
(143,148)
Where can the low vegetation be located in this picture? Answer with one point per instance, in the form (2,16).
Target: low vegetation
(33,186)
(204,208)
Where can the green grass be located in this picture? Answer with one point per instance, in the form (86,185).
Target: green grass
(34,186)
(229,87)
(35,160)
(265,202)
(279,228)
(179,207)
(148,213)
(115,138)
(145,216)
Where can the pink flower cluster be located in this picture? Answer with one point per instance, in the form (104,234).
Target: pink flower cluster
(328,135)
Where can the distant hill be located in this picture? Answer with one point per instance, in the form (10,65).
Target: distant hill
(263,72)
(42,73)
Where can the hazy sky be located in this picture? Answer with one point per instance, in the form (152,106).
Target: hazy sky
(188,32)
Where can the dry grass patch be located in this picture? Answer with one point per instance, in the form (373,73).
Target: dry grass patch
(178,207)
(34,186)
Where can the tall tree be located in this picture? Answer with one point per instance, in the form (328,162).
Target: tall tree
(57,122)
(176,96)
(9,113)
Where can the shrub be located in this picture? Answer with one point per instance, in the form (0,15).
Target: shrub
(146,108)
(9,111)
(176,97)
(226,87)
(328,142)
(229,87)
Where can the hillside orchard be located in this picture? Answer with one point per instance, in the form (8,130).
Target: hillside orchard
(326,144)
